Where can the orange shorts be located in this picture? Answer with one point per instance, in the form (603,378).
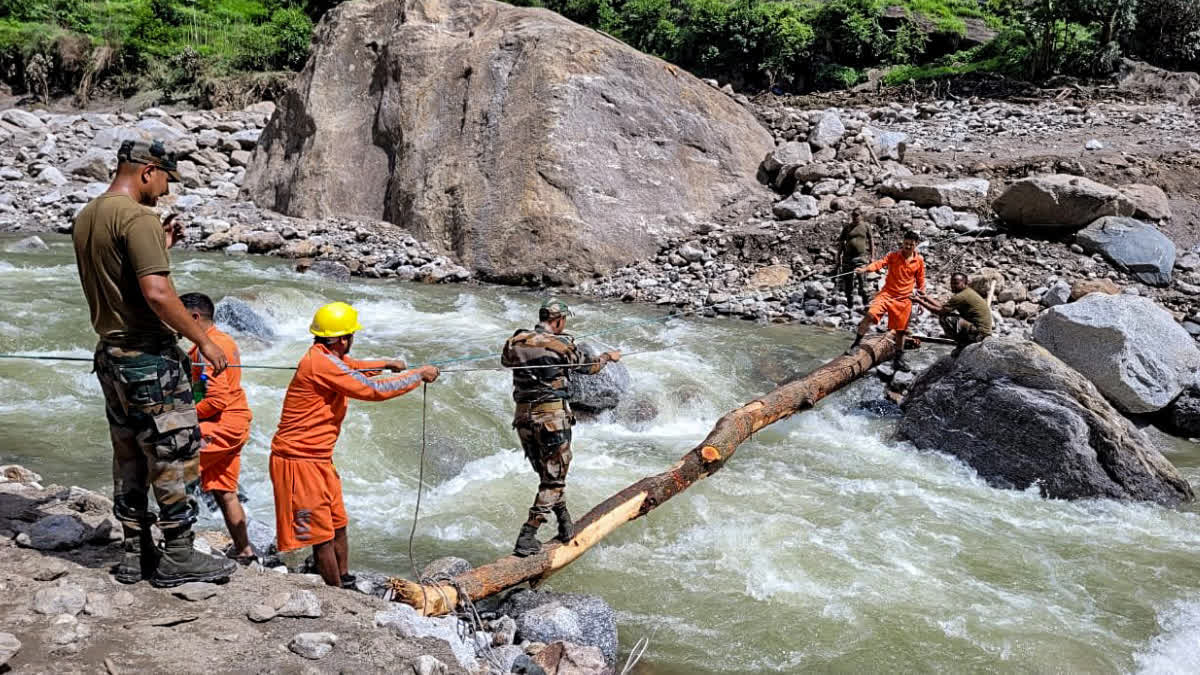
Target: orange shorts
(897,309)
(221,456)
(308,502)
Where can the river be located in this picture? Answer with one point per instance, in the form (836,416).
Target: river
(823,545)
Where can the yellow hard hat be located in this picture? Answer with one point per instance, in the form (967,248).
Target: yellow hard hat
(335,320)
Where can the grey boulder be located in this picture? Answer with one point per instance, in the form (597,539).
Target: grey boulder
(964,194)
(602,391)
(1020,417)
(1184,413)
(1131,348)
(235,314)
(1059,201)
(543,616)
(1131,246)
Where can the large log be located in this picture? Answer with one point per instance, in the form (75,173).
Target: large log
(646,494)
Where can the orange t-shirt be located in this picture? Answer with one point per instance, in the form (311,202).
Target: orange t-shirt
(223,412)
(903,274)
(316,401)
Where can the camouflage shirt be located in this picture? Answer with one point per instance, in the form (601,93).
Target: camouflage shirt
(542,347)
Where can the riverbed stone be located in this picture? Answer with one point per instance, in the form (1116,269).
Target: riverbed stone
(544,616)
(790,154)
(1184,412)
(27,245)
(963,194)
(58,532)
(313,645)
(573,659)
(1149,201)
(66,598)
(1059,201)
(1020,416)
(1131,246)
(602,391)
(796,207)
(9,646)
(195,591)
(1129,346)
(299,604)
(236,315)
(404,621)
(827,132)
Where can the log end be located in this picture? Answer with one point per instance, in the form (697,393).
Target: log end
(427,600)
(710,454)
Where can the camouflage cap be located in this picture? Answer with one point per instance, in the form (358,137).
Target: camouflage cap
(153,153)
(556,307)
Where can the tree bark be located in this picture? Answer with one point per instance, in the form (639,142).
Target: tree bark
(643,496)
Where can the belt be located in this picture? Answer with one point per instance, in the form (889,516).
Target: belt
(523,408)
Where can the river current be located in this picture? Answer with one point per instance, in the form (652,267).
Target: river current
(823,545)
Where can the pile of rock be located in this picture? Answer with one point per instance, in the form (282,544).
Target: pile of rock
(55,163)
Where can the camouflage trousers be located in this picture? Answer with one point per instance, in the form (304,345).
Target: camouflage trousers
(960,330)
(154,430)
(546,438)
(849,282)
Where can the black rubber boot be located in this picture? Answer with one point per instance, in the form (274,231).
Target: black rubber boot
(527,541)
(854,346)
(566,529)
(139,559)
(901,364)
(181,563)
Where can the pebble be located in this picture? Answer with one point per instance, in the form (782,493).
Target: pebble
(195,591)
(297,604)
(66,598)
(313,645)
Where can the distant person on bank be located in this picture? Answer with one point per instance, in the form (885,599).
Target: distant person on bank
(905,272)
(224,424)
(121,252)
(856,248)
(965,317)
(309,510)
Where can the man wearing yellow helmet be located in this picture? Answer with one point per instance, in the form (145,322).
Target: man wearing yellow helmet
(308,492)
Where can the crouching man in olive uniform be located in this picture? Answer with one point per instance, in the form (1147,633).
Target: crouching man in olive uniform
(543,360)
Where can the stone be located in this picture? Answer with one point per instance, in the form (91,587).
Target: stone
(448,566)
(49,569)
(963,194)
(66,598)
(1130,347)
(52,176)
(566,658)
(65,630)
(429,665)
(1131,246)
(790,154)
(1184,413)
(1093,145)
(504,631)
(602,391)
(827,132)
(331,270)
(261,613)
(1149,201)
(313,645)
(27,245)
(11,173)
(771,276)
(1085,286)
(247,138)
(797,206)
(544,616)
(1057,294)
(58,532)
(942,216)
(1145,80)
(300,604)
(189,173)
(264,108)
(404,621)
(240,158)
(99,605)
(1188,262)
(9,646)
(235,315)
(262,242)
(1020,416)
(94,164)
(195,591)
(300,248)
(887,144)
(1059,201)
(159,130)
(236,249)
(22,119)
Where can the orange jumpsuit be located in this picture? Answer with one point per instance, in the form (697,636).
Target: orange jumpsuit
(224,417)
(308,491)
(895,299)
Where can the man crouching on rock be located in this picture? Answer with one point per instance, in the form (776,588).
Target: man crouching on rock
(309,510)
(121,251)
(542,360)
(905,271)
(965,317)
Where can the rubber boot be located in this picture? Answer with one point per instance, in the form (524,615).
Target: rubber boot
(566,529)
(527,541)
(139,559)
(181,563)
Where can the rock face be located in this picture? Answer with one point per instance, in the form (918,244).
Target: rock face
(1059,200)
(1131,246)
(1131,348)
(508,135)
(1020,416)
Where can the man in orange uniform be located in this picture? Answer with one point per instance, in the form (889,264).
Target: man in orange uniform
(308,492)
(905,271)
(224,424)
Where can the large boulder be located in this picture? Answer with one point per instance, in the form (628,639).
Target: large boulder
(543,616)
(964,194)
(1131,246)
(1184,413)
(1131,348)
(1149,201)
(1059,200)
(1140,78)
(1019,416)
(529,146)
(236,315)
(602,391)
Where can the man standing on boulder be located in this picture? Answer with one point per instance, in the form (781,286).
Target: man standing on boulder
(543,360)
(309,510)
(965,317)
(906,271)
(121,252)
(856,247)
(224,424)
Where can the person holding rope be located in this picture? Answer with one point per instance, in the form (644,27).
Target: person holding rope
(121,252)
(543,360)
(905,271)
(965,317)
(224,425)
(856,247)
(309,510)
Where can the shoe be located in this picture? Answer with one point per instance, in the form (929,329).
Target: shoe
(853,349)
(140,558)
(181,563)
(901,364)
(527,542)
(566,529)
(349,581)
(956,351)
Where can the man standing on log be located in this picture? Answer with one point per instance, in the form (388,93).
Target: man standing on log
(965,317)
(224,425)
(856,247)
(309,510)
(121,252)
(543,360)
(906,271)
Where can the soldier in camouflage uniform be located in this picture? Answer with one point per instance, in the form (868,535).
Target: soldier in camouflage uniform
(121,251)
(856,248)
(543,416)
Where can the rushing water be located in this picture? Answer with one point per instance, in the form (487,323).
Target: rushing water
(823,545)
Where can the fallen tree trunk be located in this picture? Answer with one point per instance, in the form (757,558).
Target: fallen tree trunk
(643,496)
